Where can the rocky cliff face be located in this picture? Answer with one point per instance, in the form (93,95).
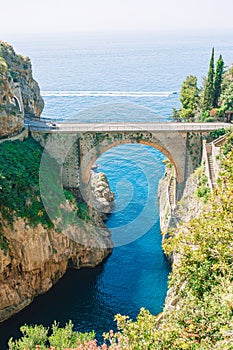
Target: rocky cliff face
(189,207)
(42,231)
(38,257)
(19,92)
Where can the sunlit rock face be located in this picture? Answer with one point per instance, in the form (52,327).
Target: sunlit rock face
(19,92)
(102,196)
(38,257)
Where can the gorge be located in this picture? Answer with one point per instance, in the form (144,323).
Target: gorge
(28,269)
(174,300)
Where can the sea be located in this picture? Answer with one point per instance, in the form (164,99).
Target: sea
(115,77)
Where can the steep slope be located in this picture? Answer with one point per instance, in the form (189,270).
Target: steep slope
(34,252)
(19,92)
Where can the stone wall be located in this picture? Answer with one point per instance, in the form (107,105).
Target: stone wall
(10,124)
(210,159)
(65,149)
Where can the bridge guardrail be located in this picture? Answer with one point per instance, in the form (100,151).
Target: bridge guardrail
(106,127)
(90,121)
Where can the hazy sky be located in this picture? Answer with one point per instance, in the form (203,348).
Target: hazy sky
(37,16)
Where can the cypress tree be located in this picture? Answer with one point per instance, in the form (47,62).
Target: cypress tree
(208,93)
(218,80)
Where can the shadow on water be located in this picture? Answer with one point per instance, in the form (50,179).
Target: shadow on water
(71,298)
(91,297)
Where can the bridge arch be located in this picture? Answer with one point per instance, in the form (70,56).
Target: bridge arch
(89,158)
(83,143)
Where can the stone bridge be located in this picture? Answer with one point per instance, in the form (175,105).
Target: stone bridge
(77,146)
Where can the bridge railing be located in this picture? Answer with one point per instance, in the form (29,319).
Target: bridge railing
(105,119)
(124,126)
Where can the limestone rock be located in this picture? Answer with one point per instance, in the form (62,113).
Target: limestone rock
(102,196)
(19,92)
(38,257)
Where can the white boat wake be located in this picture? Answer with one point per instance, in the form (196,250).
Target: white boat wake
(107,93)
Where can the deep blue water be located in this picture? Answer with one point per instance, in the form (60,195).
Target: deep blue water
(71,70)
(125,63)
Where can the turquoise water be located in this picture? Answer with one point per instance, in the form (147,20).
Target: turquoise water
(71,70)
(135,275)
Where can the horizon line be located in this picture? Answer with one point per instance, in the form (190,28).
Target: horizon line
(160,31)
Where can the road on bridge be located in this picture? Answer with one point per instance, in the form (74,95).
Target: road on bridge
(72,127)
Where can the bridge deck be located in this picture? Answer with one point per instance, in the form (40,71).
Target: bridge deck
(123,126)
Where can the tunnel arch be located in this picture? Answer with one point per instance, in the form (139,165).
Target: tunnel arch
(17,103)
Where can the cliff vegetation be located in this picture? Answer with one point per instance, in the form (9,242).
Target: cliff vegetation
(34,251)
(19,183)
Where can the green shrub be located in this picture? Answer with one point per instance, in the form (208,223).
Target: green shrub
(213,135)
(19,181)
(66,337)
(60,338)
(32,336)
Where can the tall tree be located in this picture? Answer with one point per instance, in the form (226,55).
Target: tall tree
(208,92)
(218,80)
(189,97)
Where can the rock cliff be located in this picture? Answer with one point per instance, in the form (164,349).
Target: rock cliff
(192,204)
(38,258)
(187,208)
(34,251)
(19,92)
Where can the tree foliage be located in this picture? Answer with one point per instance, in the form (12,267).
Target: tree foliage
(204,106)
(218,80)
(189,98)
(208,92)
(226,96)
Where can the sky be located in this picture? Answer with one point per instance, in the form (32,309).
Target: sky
(49,16)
